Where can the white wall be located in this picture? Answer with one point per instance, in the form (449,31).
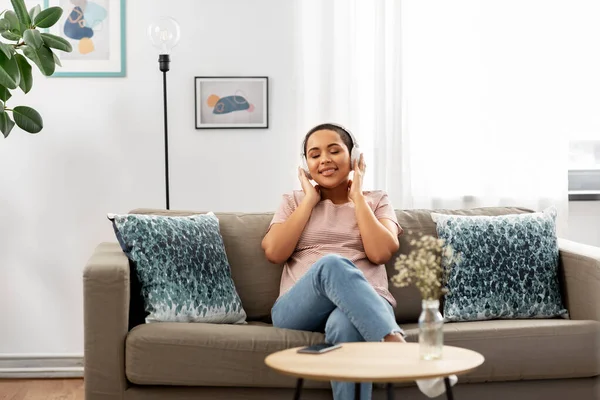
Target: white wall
(584,222)
(101,148)
(101,151)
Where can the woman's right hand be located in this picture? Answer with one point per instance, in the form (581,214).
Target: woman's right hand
(312,194)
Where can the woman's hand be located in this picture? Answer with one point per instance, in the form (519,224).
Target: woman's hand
(312,194)
(355,186)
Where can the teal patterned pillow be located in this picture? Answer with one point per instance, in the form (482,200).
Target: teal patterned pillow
(508,266)
(182,267)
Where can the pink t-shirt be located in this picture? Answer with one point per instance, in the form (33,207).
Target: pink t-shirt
(333,229)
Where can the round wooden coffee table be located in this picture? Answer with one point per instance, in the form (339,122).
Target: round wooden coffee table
(373,362)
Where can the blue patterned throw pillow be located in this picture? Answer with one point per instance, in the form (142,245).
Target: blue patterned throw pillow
(182,267)
(507,266)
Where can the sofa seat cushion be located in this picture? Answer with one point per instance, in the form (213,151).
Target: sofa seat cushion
(197,354)
(526,349)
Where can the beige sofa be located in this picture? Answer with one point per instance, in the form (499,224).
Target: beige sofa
(127,359)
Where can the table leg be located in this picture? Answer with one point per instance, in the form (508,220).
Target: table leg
(298,388)
(390,391)
(449,394)
(357,391)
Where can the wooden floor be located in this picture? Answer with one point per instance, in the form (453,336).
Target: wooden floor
(41,389)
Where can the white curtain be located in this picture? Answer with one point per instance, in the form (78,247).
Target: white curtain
(452,109)
(348,71)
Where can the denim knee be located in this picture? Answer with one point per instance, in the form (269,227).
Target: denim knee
(336,263)
(339,329)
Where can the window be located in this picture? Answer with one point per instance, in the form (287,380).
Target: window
(584,170)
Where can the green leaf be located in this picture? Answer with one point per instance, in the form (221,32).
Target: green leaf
(21,10)
(4,94)
(34,12)
(10,76)
(26,76)
(13,21)
(6,124)
(42,57)
(57,60)
(48,17)
(28,119)
(6,49)
(11,36)
(4,25)
(56,42)
(33,37)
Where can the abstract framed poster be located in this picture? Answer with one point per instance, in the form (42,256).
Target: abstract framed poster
(231,102)
(96,30)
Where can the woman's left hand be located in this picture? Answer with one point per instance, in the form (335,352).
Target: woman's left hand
(355,185)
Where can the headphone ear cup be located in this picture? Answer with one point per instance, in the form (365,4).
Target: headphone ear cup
(355,156)
(305,168)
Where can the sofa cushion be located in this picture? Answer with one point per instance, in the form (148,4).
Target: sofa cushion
(415,222)
(182,266)
(233,355)
(211,354)
(507,266)
(527,348)
(256,279)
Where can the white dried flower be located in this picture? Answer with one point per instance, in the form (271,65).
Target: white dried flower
(426,265)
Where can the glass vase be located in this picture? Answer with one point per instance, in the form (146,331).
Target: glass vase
(431,330)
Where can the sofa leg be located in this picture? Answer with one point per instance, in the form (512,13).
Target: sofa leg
(298,388)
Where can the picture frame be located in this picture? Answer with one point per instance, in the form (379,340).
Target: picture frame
(96,32)
(231,102)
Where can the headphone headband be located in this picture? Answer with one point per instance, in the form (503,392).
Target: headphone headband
(329,125)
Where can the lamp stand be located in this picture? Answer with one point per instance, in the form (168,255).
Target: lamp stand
(163,62)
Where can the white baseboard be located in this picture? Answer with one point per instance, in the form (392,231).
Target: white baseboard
(41,365)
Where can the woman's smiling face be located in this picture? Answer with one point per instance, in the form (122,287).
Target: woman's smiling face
(328,158)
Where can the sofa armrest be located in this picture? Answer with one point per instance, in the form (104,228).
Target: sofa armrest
(106,314)
(581,274)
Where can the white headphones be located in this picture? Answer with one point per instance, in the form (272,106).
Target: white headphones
(354,155)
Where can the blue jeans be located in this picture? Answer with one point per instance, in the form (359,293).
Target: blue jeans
(335,297)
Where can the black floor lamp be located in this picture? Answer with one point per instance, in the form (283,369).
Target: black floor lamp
(164,34)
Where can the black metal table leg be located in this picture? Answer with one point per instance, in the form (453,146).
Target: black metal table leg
(449,394)
(390,391)
(357,391)
(298,388)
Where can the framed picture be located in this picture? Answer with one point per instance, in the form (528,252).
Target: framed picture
(96,30)
(231,102)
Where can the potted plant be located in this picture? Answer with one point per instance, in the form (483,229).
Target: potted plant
(425,266)
(25,43)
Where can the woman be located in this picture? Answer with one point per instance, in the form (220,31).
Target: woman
(335,240)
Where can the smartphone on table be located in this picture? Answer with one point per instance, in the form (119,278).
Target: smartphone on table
(319,348)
